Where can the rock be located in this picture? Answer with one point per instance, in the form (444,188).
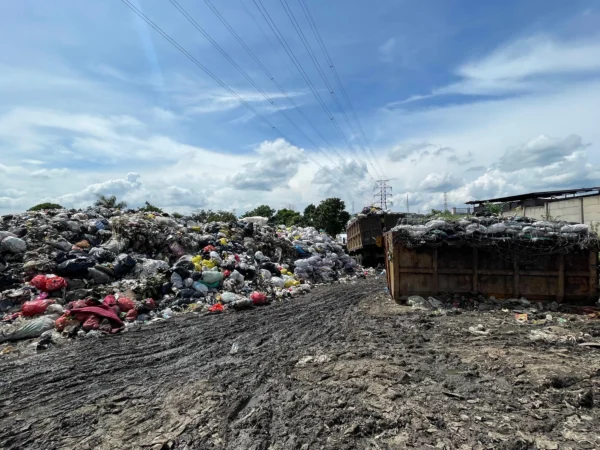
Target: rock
(13,245)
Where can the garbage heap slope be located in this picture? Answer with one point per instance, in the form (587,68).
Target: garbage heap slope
(100,269)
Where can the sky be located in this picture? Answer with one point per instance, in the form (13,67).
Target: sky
(469,99)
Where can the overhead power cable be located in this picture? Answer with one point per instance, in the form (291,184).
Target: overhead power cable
(248,78)
(273,26)
(317,65)
(267,73)
(142,16)
(321,43)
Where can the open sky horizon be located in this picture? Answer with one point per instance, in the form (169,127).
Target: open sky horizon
(468,98)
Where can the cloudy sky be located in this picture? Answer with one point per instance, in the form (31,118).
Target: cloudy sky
(475,99)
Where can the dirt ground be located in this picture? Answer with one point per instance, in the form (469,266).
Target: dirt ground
(341,368)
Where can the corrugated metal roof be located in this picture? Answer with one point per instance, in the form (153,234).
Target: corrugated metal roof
(530,195)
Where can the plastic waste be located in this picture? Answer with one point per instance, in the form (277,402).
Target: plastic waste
(35,307)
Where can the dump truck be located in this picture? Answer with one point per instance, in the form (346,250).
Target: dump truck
(365,237)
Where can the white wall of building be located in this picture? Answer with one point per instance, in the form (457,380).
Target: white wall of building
(579,209)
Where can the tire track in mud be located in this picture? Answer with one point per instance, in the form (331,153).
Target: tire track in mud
(172,384)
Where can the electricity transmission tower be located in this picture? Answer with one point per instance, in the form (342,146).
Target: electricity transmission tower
(382,192)
(445,202)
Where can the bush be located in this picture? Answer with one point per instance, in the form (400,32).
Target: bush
(43,206)
(151,208)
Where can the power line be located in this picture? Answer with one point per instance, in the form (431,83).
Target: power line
(337,77)
(264,69)
(315,61)
(217,79)
(271,23)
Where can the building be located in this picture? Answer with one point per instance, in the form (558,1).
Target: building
(572,205)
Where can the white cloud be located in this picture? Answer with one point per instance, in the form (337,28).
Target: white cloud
(436,182)
(386,50)
(403,151)
(278,162)
(531,64)
(50,173)
(540,151)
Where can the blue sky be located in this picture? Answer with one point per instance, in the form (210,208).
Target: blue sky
(471,98)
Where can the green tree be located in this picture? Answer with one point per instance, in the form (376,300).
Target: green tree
(287,217)
(177,215)
(110,202)
(262,211)
(151,208)
(494,208)
(331,216)
(309,216)
(208,215)
(43,206)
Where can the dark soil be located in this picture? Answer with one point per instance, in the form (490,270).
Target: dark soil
(341,368)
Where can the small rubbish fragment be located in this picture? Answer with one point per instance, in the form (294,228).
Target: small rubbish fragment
(521,317)
(479,330)
(234,348)
(216,308)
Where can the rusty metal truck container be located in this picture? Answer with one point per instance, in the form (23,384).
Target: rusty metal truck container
(429,270)
(365,237)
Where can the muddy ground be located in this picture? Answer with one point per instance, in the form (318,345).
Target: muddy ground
(343,367)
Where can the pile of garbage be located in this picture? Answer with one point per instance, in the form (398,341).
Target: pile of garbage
(100,270)
(368,211)
(495,230)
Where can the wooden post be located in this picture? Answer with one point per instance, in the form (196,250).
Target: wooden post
(516,281)
(395,265)
(475,271)
(593,287)
(436,281)
(560,290)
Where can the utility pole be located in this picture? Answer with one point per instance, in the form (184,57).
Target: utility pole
(445,202)
(407,206)
(382,192)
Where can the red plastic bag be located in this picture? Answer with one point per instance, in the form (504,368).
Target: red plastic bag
(77,304)
(237,258)
(218,307)
(55,283)
(131,315)
(91,323)
(39,282)
(35,307)
(226,273)
(125,304)
(110,300)
(209,248)
(64,321)
(150,304)
(258,298)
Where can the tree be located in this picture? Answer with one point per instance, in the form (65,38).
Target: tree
(43,206)
(109,202)
(177,215)
(208,215)
(287,217)
(262,211)
(309,215)
(331,216)
(151,208)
